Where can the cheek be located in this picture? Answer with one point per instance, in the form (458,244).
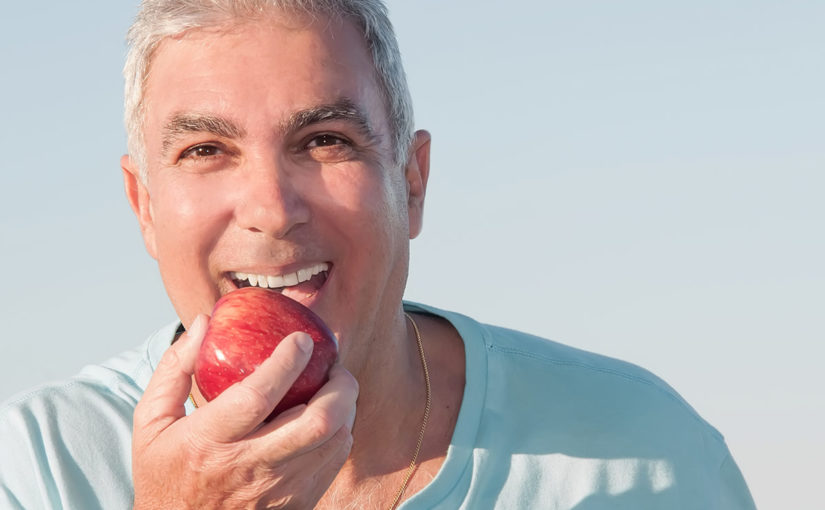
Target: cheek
(188,220)
(193,202)
(392,211)
(370,214)
(176,218)
(371,197)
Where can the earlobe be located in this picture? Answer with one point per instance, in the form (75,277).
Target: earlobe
(139,200)
(417,173)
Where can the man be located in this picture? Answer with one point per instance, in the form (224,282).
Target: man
(271,144)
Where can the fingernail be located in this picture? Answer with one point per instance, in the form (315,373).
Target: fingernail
(351,419)
(304,342)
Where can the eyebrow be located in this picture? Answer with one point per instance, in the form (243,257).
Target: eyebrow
(182,123)
(342,109)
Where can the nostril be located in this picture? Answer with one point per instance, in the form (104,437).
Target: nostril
(274,216)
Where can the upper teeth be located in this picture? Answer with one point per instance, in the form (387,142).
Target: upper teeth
(284,280)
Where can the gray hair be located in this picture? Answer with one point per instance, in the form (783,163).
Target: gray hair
(158,19)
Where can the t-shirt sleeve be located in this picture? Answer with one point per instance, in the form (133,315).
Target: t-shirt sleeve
(26,480)
(66,447)
(733,493)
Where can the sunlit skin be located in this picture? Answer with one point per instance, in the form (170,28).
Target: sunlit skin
(267,198)
(268,151)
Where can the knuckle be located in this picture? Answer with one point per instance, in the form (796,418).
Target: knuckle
(344,378)
(349,379)
(140,430)
(145,424)
(251,399)
(210,456)
(170,359)
(139,415)
(320,428)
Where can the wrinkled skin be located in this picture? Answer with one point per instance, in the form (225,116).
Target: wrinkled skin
(220,457)
(259,192)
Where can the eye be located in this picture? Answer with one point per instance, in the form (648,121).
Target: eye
(201,152)
(328,148)
(325,140)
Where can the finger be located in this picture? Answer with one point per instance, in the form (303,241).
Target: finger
(334,457)
(242,407)
(305,428)
(163,400)
(348,391)
(322,464)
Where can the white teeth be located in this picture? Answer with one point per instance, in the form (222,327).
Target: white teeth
(285,280)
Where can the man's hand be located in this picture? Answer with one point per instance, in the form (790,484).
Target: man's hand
(221,456)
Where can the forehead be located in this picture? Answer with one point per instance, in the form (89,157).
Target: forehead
(261,71)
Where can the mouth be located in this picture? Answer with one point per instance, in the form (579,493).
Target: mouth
(300,285)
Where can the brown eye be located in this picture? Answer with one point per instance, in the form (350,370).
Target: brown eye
(325,141)
(201,151)
(327,148)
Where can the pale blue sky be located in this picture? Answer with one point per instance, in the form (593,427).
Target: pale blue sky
(643,179)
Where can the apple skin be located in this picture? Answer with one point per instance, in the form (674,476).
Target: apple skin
(246,326)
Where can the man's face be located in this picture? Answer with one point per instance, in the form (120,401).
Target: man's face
(270,163)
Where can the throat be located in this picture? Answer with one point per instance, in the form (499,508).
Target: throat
(393,411)
(390,415)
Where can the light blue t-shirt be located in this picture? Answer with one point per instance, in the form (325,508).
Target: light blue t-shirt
(541,426)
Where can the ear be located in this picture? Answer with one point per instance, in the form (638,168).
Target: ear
(417,172)
(138,197)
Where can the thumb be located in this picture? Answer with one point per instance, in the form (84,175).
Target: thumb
(162,402)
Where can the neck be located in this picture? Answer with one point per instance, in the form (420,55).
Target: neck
(390,412)
(392,392)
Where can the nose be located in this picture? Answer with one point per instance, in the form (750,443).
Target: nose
(271,201)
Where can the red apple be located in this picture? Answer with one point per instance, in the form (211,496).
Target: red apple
(246,326)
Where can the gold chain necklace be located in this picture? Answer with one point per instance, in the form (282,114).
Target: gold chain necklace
(427,405)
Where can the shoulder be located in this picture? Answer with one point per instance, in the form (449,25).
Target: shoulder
(72,438)
(577,395)
(67,439)
(545,422)
(595,375)
(118,380)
